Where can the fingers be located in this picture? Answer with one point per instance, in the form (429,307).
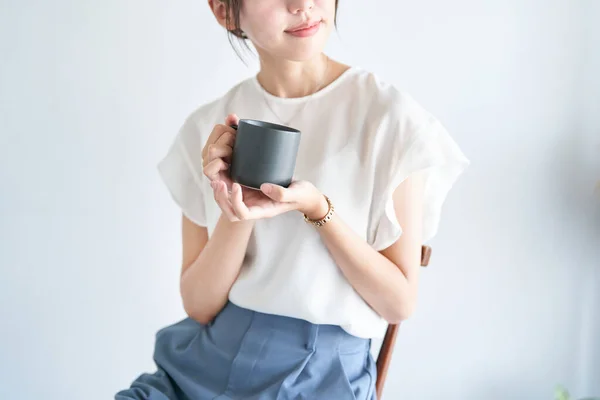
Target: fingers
(256,212)
(218,151)
(221,135)
(226,139)
(213,168)
(215,135)
(237,202)
(263,209)
(235,209)
(278,193)
(222,198)
(232,119)
(222,148)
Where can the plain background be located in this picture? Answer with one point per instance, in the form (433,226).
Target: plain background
(92,93)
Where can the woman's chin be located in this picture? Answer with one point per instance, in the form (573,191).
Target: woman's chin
(299,49)
(302,53)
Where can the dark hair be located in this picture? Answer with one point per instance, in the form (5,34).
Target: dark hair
(232,18)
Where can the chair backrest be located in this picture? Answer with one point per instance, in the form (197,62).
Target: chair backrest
(387,347)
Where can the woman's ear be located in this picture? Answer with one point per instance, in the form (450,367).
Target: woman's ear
(219,9)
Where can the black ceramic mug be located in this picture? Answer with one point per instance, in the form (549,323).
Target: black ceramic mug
(264,153)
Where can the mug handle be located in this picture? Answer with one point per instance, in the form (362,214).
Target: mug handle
(234,126)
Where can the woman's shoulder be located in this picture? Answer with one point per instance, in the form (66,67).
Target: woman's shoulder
(390,109)
(393,100)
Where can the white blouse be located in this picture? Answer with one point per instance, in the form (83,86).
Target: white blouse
(360,139)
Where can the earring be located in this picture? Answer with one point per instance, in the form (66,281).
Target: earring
(239,33)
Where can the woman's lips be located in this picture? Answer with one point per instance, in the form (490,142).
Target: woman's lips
(306,30)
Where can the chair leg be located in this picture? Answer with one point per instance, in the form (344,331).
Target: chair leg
(385,357)
(387,347)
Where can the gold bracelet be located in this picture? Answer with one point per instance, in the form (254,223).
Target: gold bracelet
(325,219)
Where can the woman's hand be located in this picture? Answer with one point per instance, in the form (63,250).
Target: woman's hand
(240,203)
(216,154)
(245,204)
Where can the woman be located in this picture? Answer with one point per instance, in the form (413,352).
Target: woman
(283,290)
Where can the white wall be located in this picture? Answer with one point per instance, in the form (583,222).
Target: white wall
(590,133)
(91,94)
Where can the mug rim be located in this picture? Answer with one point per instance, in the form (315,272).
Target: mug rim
(268,125)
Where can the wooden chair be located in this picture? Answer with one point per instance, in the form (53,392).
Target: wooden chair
(387,347)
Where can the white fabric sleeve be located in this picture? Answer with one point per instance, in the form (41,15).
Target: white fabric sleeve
(432,152)
(181,172)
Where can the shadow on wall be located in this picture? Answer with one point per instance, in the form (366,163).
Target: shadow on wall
(577,169)
(576,165)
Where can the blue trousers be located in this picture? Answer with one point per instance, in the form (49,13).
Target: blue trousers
(248,355)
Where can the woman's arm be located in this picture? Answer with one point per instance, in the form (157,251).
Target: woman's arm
(211,266)
(387,280)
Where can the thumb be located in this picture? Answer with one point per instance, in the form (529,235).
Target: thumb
(277,193)
(232,119)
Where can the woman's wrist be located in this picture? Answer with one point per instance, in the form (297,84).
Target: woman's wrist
(239,225)
(317,209)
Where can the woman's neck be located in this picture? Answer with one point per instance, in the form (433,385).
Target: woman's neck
(288,79)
